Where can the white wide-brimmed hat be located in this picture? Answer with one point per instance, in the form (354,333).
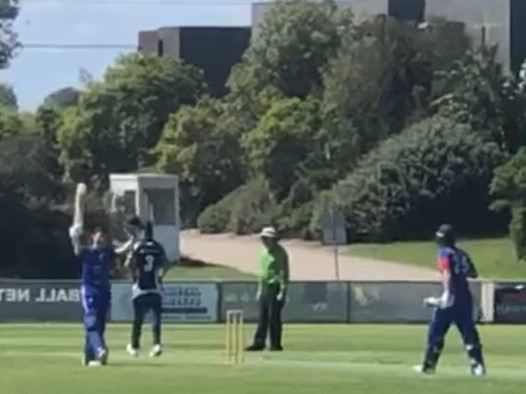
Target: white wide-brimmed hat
(268,232)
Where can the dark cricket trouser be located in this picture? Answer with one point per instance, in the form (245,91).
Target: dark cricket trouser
(142,304)
(95,306)
(269,321)
(461,315)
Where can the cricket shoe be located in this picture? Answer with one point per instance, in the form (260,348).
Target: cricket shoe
(421,369)
(84,360)
(478,370)
(156,351)
(90,363)
(102,356)
(132,351)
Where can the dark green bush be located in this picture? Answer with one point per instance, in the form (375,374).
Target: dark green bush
(434,171)
(509,188)
(215,218)
(518,231)
(253,208)
(244,211)
(295,211)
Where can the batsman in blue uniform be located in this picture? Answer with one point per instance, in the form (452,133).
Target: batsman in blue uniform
(146,263)
(454,306)
(96,260)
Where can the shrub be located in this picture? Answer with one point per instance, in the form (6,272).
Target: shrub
(244,211)
(509,188)
(295,211)
(434,171)
(215,218)
(253,208)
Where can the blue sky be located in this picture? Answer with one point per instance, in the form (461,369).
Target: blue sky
(38,71)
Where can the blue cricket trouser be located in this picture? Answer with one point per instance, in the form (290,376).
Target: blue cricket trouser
(461,315)
(95,306)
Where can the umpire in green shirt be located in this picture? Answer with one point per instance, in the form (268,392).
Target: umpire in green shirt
(272,291)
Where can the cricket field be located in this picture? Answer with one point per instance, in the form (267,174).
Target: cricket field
(326,359)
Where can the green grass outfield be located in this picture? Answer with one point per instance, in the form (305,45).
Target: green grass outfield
(319,359)
(207,272)
(493,257)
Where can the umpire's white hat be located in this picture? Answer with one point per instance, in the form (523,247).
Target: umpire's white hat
(268,232)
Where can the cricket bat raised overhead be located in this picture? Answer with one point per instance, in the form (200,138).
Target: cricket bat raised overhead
(78,214)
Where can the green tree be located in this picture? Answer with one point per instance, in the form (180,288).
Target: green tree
(437,170)
(10,123)
(48,121)
(475,91)
(285,145)
(25,162)
(8,97)
(34,236)
(293,45)
(28,121)
(120,119)
(382,81)
(244,211)
(62,98)
(509,189)
(8,38)
(215,218)
(199,146)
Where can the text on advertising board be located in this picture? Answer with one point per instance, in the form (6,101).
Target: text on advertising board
(183,300)
(42,295)
(510,303)
(188,302)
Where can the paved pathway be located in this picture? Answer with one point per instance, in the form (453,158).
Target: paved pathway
(309,261)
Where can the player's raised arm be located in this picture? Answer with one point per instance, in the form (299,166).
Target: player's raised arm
(133,227)
(77,227)
(124,248)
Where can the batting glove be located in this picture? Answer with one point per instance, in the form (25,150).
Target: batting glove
(444,301)
(431,302)
(75,231)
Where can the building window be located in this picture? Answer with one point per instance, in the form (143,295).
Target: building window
(517,34)
(407,10)
(125,203)
(160,48)
(161,206)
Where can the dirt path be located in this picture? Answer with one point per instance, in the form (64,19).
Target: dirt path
(308,261)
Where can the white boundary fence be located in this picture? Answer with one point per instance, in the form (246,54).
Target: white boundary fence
(308,302)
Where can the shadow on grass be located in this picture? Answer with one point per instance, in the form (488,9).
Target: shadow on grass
(189,262)
(188,268)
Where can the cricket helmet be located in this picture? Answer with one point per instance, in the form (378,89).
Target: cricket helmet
(445,235)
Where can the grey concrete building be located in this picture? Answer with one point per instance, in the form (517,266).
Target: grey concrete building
(215,50)
(501,22)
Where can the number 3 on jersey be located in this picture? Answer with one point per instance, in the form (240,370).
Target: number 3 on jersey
(148,267)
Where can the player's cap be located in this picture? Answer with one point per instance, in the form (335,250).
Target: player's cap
(268,232)
(445,231)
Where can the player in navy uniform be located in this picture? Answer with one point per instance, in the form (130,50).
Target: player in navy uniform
(96,261)
(146,264)
(455,306)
